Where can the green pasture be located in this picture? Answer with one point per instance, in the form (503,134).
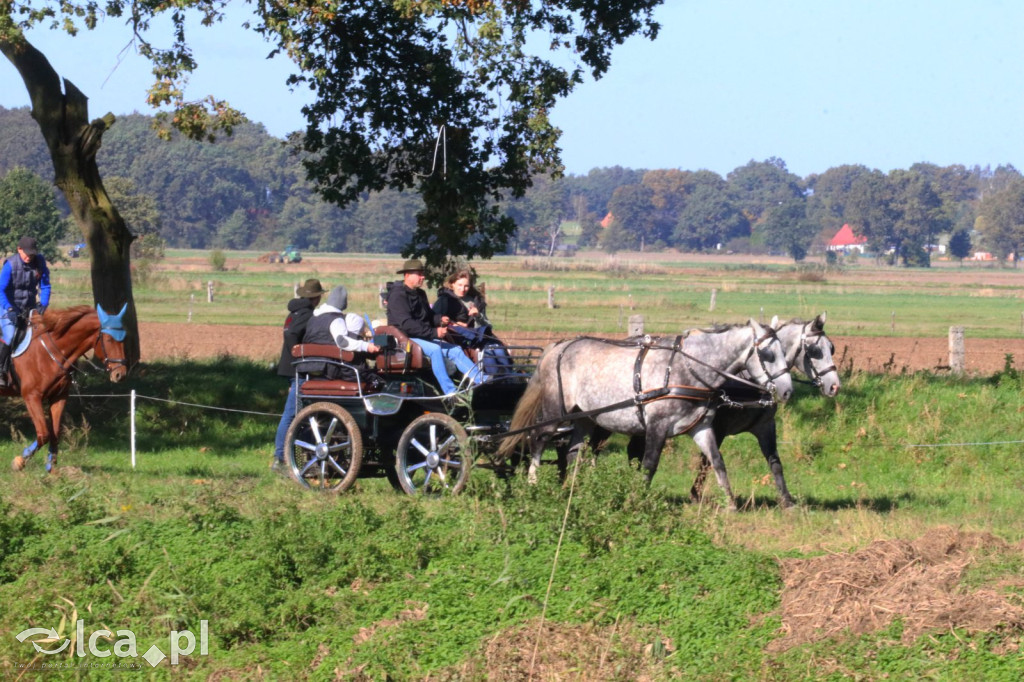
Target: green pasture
(598,295)
(375,585)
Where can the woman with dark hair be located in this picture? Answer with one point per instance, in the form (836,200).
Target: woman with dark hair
(460,302)
(463,305)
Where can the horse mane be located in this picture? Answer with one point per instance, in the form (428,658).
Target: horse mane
(718,328)
(59,321)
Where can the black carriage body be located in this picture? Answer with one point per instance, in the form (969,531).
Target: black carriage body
(398,422)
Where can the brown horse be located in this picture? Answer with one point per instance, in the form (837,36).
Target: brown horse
(42,372)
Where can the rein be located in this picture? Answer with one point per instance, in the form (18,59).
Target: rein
(683,392)
(814,374)
(68,366)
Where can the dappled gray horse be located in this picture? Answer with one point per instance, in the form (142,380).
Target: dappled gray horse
(655,390)
(807,349)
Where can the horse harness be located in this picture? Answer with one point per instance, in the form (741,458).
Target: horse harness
(706,394)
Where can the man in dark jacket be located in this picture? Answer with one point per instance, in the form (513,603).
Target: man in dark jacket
(409,310)
(300,311)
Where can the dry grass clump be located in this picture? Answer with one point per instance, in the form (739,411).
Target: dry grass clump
(917,582)
(554,651)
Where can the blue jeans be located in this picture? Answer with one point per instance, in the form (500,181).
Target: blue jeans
(286,419)
(437,351)
(6,328)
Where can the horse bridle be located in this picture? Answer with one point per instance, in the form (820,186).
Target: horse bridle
(67,366)
(108,362)
(807,342)
(768,382)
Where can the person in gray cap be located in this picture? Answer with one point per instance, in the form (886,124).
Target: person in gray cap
(332,325)
(409,310)
(24,276)
(300,312)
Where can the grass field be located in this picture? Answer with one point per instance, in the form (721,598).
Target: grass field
(597,295)
(910,490)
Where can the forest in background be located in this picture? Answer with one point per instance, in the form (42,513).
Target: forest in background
(250,191)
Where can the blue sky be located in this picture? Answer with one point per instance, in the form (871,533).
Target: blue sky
(881,83)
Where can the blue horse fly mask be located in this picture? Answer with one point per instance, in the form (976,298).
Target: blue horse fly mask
(112,325)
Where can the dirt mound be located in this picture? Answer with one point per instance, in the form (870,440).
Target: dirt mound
(917,582)
(563,652)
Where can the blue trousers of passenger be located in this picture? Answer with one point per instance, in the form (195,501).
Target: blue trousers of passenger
(286,419)
(437,351)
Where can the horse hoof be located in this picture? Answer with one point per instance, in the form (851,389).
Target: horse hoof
(18,463)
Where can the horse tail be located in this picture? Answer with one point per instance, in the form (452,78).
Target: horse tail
(525,415)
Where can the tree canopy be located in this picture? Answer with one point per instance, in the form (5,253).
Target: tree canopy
(393,82)
(27,208)
(262,200)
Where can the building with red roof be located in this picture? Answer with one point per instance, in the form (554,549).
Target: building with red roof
(845,240)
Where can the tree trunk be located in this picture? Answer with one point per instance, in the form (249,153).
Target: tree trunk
(63,118)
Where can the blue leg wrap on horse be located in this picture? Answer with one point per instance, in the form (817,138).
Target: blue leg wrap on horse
(50,457)
(30,450)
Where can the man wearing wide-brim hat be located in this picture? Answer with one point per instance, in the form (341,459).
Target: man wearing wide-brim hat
(300,311)
(409,310)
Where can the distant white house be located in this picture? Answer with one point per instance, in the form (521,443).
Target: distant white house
(845,241)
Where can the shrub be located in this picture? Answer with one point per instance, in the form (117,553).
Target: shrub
(218,260)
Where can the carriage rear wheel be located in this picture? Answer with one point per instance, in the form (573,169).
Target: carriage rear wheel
(433,456)
(324,448)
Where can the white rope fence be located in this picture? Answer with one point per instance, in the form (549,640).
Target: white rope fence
(131,409)
(133,396)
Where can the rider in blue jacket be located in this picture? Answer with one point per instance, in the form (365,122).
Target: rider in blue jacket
(24,276)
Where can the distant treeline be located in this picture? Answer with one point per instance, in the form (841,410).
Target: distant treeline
(249,191)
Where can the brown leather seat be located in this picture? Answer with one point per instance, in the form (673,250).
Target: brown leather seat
(329,387)
(332,388)
(406,356)
(303,351)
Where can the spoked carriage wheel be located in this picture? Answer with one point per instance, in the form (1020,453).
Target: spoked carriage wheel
(433,456)
(324,448)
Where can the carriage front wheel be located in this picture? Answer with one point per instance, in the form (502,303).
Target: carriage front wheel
(324,448)
(433,456)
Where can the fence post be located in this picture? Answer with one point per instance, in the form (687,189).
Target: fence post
(892,323)
(636,325)
(191,300)
(551,296)
(381,290)
(714,293)
(209,292)
(131,409)
(957,354)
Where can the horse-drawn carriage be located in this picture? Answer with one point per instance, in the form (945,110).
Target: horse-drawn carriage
(651,389)
(394,422)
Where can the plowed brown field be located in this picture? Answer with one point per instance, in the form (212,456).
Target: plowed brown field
(161,340)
